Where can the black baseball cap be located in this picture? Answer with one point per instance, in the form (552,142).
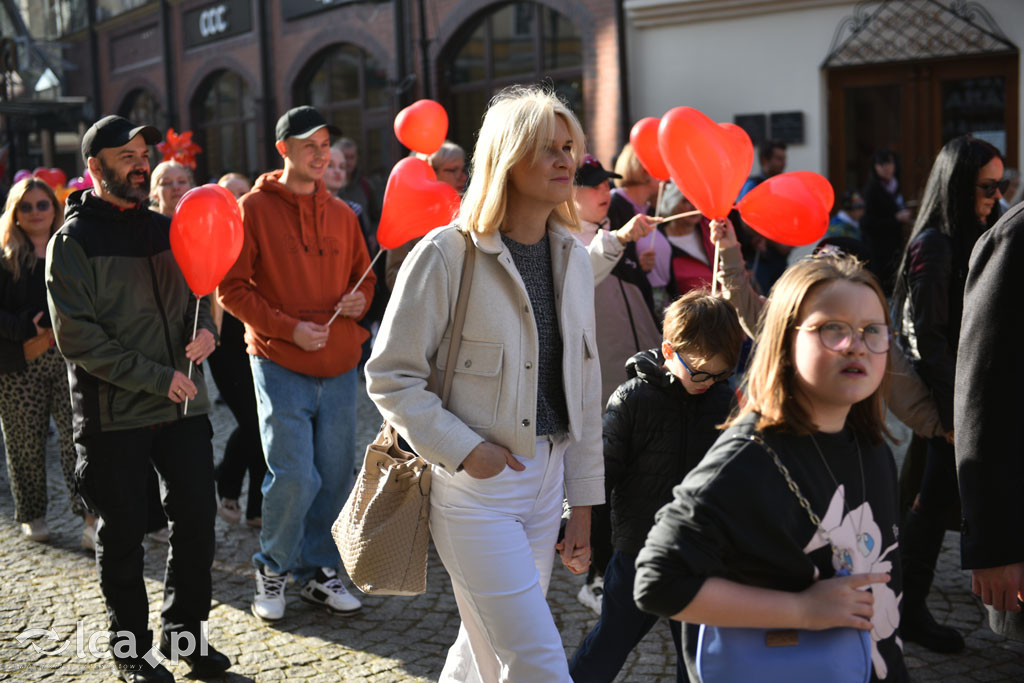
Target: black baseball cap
(301,122)
(114,131)
(591,173)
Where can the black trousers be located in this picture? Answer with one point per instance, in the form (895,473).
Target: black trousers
(243,453)
(112,472)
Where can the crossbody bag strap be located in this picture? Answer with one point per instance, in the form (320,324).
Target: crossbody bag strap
(461,304)
(791,483)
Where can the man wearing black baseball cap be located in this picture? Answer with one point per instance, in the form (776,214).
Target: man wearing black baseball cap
(303,256)
(122,315)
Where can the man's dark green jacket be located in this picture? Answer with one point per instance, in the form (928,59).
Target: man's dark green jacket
(122,314)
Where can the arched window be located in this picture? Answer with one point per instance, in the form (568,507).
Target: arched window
(350,88)
(141,107)
(522,42)
(224,125)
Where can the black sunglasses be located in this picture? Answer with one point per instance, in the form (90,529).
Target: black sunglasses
(40,206)
(698,376)
(989,187)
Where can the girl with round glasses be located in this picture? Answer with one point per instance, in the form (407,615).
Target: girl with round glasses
(33,376)
(737,546)
(958,199)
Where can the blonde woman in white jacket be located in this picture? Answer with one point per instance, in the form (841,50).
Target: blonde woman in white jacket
(523,425)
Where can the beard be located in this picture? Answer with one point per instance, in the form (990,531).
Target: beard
(122,188)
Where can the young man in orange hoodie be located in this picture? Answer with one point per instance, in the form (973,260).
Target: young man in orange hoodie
(302,256)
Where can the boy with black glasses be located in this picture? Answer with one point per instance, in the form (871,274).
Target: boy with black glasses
(657,427)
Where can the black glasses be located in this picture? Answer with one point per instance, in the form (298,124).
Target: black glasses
(836,335)
(989,187)
(703,376)
(40,206)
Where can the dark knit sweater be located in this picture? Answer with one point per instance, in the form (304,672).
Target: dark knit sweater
(533,261)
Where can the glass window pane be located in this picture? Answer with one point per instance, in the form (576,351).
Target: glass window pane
(343,66)
(872,117)
(563,46)
(571,90)
(976,106)
(375,78)
(466,112)
(470,63)
(513,36)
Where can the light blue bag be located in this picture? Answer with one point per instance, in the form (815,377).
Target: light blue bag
(741,655)
(734,655)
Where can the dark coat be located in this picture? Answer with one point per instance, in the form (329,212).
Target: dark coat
(936,273)
(654,433)
(20,301)
(989,431)
(882,233)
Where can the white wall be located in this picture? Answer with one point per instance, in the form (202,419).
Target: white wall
(755,61)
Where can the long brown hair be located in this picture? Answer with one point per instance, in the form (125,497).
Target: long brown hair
(770,386)
(16,248)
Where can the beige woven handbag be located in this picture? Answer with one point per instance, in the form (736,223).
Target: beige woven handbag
(383,530)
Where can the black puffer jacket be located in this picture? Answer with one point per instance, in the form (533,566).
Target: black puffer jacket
(654,433)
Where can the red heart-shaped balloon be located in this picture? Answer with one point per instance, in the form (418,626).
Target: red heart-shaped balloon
(414,203)
(422,126)
(54,177)
(708,161)
(791,208)
(644,138)
(206,237)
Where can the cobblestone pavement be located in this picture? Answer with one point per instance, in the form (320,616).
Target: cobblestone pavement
(54,586)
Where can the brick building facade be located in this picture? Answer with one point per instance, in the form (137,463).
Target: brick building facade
(227,69)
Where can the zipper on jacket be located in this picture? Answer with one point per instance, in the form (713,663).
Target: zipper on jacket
(163,313)
(110,401)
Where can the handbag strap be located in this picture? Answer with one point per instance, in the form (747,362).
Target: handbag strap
(461,304)
(791,483)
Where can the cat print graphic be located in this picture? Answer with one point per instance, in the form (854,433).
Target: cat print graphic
(858,539)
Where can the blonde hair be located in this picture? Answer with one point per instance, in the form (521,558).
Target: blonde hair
(520,123)
(16,248)
(161,169)
(629,167)
(448,152)
(770,386)
(228,177)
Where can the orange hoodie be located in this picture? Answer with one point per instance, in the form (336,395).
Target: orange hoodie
(301,254)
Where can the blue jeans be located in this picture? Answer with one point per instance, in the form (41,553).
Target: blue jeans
(307,425)
(621,627)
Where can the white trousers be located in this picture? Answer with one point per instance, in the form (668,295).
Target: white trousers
(496,538)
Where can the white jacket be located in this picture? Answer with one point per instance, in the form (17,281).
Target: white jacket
(494,388)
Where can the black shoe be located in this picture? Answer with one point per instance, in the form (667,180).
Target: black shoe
(140,671)
(918,626)
(213,663)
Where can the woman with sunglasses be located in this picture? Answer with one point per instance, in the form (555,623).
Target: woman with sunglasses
(33,377)
(962,188)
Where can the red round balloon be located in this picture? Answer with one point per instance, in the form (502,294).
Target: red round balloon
(414,203)
(644,138)
(206,237)
(229,198)
(708,161)
(422,126)
(791,208)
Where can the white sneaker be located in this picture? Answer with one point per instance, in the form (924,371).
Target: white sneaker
(89,537)
(268,602)
(36,530)
(591,595)
(326,589)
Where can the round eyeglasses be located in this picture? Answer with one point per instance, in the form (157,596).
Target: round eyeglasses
(836,335)
(698,376)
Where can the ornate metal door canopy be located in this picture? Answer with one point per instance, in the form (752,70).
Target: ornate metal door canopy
(912,30)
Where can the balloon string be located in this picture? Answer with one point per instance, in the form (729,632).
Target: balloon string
(680,215)
(363,277)
(661,191)
(195,327)
(714,271)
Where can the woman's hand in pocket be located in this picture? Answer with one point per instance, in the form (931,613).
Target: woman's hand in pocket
(488,460)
